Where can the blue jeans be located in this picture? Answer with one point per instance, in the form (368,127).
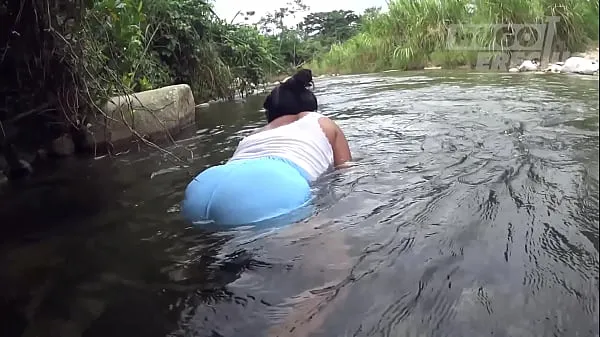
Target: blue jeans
(248,192)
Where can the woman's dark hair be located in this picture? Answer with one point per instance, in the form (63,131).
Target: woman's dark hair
(291,97)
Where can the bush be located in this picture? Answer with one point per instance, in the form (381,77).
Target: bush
(61,60)
(414,33)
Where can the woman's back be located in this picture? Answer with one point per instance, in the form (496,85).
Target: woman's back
(302,141)
(270,172)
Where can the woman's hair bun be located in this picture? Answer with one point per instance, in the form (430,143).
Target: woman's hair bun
(300,80)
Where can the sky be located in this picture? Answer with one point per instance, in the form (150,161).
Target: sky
(226,9)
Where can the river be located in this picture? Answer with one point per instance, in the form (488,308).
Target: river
(472,210)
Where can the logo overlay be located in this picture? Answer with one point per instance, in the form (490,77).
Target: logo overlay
(512,43)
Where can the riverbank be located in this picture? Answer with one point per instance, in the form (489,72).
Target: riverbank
(412,36)
(98,61)
(439,60)
(56,82)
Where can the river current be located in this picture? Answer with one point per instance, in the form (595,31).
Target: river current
(472,210)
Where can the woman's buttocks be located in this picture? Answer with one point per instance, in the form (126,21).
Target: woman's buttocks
(246,191)
(266,171)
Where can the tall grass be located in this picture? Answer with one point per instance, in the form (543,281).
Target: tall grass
(413,34)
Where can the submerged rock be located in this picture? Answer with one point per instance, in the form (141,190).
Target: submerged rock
(14,168)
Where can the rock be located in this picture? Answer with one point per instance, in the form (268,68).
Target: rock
(580,65)
(529,65)
(513,70)
(15,168)
(41,154)
(63,146)
(95,136)
(554,67)
(150,113)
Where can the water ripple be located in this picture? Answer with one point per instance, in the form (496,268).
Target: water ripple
(472,210)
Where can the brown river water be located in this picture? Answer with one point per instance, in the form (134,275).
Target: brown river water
(472,210)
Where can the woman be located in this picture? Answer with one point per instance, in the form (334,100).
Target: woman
(270,173)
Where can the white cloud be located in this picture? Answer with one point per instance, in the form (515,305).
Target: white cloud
(226,9)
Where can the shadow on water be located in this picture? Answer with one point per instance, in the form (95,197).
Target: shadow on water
(472,210)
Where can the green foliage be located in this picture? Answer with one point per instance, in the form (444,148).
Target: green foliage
(62,59)
(115,42)
(133,45)
(97,49)
(330,27)
(314,35)
(415,33)
(247,51)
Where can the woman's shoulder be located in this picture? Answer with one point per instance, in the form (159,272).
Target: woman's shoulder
(318,116)
(324,121)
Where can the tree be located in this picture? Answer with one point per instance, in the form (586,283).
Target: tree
(330,27)
(371,13)
(285,42)
(272,23)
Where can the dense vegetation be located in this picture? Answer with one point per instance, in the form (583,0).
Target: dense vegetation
(62,59)
(412,34)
